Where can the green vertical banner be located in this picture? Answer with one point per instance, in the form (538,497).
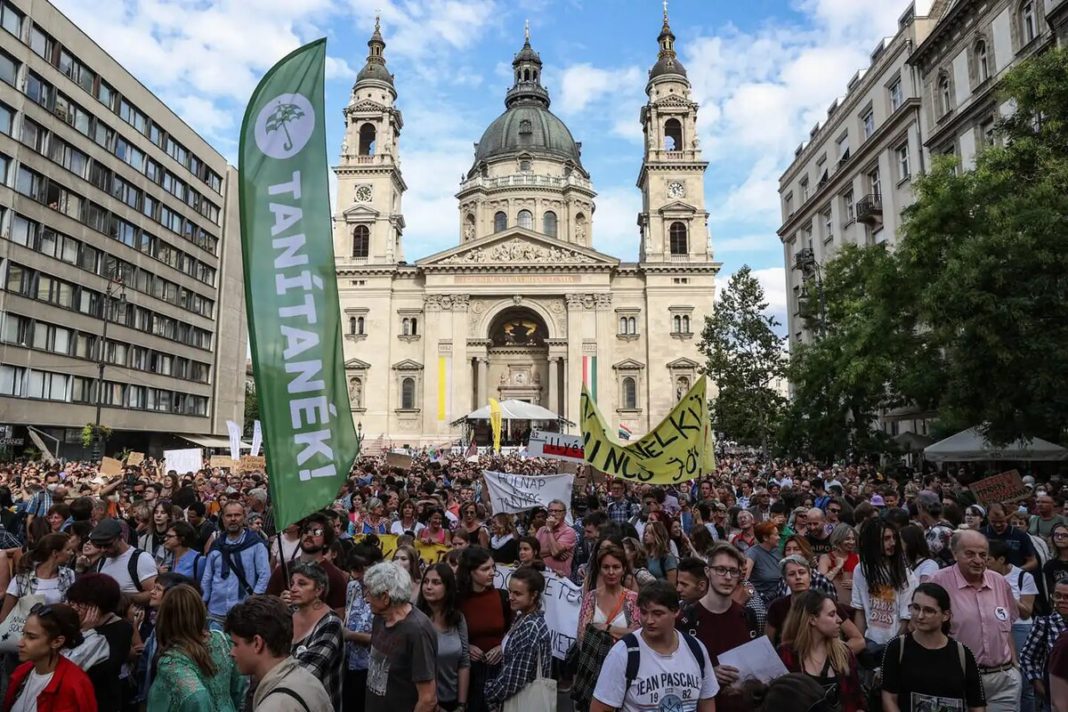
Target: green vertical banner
(294,318)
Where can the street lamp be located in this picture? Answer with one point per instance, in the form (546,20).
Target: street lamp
(113,282)
(805,261)
(359,437)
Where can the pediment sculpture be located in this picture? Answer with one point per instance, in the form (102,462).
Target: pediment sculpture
(517,250)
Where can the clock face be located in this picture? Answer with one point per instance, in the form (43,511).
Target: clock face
(676,189)
(363,194)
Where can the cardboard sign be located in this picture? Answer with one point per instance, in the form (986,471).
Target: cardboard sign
(399,460)
(1006,487)
(184,461)
(110,467)
(135,458)
(556,446)
(249,463)
(224,461)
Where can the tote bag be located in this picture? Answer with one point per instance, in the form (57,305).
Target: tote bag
(11,628)
(539,695)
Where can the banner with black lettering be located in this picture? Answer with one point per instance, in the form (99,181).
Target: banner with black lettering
(518,493)
(562,600)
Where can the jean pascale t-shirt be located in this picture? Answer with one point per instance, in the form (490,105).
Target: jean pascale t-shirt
(665,683)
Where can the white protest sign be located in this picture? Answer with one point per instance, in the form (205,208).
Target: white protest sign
(555,446)
(235,439)
(518,493)
(183,461)
(561,602)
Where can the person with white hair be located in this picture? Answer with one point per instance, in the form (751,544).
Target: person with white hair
(402,674)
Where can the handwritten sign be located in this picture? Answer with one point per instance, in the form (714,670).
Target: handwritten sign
(222,461)
(134,459)
(1006,487)
(184,461)
(562,600)
(249,463)
(110,467)
(555,446)
(518,493)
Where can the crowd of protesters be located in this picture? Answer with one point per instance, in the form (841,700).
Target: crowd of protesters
(156,590)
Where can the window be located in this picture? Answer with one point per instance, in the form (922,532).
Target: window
(982,62)
(628,325)
(945,97)
(672,135)
(11,19)
(896,96)
(1028,26)
(868,121)
(630,394)
(7,114)
(408,394)
(803,188)
(367,140)
(526,166)
(677,239)
(548,223)
(874,182)
(843,148)
(903,170)
(500,222)
(360,326)
(8,69)
(526,219)
(986,133)
(788,204)
(41,43)
(361,242)
(847,203)
(828,226)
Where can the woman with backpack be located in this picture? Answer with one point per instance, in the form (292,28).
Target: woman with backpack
(488,617)
(926,669)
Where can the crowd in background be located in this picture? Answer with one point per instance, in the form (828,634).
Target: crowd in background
(167,591)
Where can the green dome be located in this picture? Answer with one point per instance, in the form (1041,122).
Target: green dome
(531,128)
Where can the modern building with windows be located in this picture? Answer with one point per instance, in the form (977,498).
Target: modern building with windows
(523,307)
(118,245)
(930,90)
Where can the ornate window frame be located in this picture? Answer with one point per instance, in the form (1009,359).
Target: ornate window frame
(356,313)
(408,315)
(355,369)
(681,321)
(629,368)
(631,315)
(414,370)
(682,368)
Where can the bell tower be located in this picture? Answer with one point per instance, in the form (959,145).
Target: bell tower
(368,222)
(673,221)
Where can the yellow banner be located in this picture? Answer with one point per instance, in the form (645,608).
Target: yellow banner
(680,448)
(495,423)
(429,553)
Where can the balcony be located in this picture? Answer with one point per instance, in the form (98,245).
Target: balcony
(870,209)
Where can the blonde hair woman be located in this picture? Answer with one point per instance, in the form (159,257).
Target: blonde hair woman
(408,558)
(195,669)
(659,560)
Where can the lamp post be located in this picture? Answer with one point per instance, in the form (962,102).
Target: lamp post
(359,438)
(101,363)
(805,261)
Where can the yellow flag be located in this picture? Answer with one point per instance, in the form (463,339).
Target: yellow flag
(429,553)
(495,423)
(680,448)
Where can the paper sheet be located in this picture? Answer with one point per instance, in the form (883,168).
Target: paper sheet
(755,659)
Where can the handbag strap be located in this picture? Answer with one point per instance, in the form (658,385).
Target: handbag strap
(615,611)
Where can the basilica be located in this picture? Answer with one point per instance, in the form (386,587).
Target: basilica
(522,307)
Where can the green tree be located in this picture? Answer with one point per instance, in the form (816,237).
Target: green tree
(252,407)
(746,361)
(986,251)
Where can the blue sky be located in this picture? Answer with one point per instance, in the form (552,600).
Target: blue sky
(764,72)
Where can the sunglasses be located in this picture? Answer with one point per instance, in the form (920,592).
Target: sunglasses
(317,531)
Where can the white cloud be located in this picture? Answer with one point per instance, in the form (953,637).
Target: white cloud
(615,223)
(773,281)
(583,84)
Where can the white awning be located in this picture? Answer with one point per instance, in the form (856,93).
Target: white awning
(970,446)
(213,441)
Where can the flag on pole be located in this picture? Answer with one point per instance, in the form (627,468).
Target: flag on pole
(495,423)
(291,298)
(257,439)
(235,439)
(624,432)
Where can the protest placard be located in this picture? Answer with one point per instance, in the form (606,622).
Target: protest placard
(223,461)
(428,553)
(248,463)
(555,446)
(134,459)
(110,467)
(399,460)
(1005,487)
(518,493)
(562,600)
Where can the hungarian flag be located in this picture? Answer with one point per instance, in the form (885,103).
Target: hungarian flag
(624,432)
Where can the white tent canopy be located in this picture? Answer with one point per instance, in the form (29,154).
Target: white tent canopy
(970,446)
(514,410)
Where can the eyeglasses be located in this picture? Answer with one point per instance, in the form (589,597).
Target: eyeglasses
(317,531)
(726,571)
(1059,597)
(1060,535)
(925,610)
(170,535)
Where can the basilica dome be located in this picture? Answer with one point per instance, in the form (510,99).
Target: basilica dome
(527,128)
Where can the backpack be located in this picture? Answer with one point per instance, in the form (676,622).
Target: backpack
(290,693)
(131,567)
(688,617)
(634,655)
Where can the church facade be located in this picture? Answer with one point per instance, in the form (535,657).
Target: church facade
(522,307)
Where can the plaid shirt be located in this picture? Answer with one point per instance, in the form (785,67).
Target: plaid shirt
(1035,652)
(40,503)
(321,653)
(528,641)
(8,540)
(621,512)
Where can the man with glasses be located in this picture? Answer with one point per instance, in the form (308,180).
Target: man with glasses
(983,613)
(317,538)
(557,539)
(135,576)
(237,566)
(718,621)
(834,512)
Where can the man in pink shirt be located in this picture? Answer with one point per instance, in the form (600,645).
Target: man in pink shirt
(983,613)
(557,539)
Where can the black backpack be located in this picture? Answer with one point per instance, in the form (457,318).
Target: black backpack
(634,655)
(131,567)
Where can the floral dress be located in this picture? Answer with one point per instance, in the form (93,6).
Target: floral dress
(358,619)
(180,686)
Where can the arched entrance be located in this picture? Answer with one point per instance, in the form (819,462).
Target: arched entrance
(518,356)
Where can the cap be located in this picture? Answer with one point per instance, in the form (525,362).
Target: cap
(877,500)
(106,530)
(927,498)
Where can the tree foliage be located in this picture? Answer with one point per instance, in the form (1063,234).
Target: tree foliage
(252,407)
(745,360)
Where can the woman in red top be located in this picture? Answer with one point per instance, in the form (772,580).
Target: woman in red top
(838,564)
(488,618)
(46,681)
(812,645)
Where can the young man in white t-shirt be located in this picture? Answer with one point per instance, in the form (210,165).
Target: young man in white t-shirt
(116,562)
(669,675)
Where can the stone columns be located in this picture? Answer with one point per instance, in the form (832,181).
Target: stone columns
(554,389)
(483,381)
